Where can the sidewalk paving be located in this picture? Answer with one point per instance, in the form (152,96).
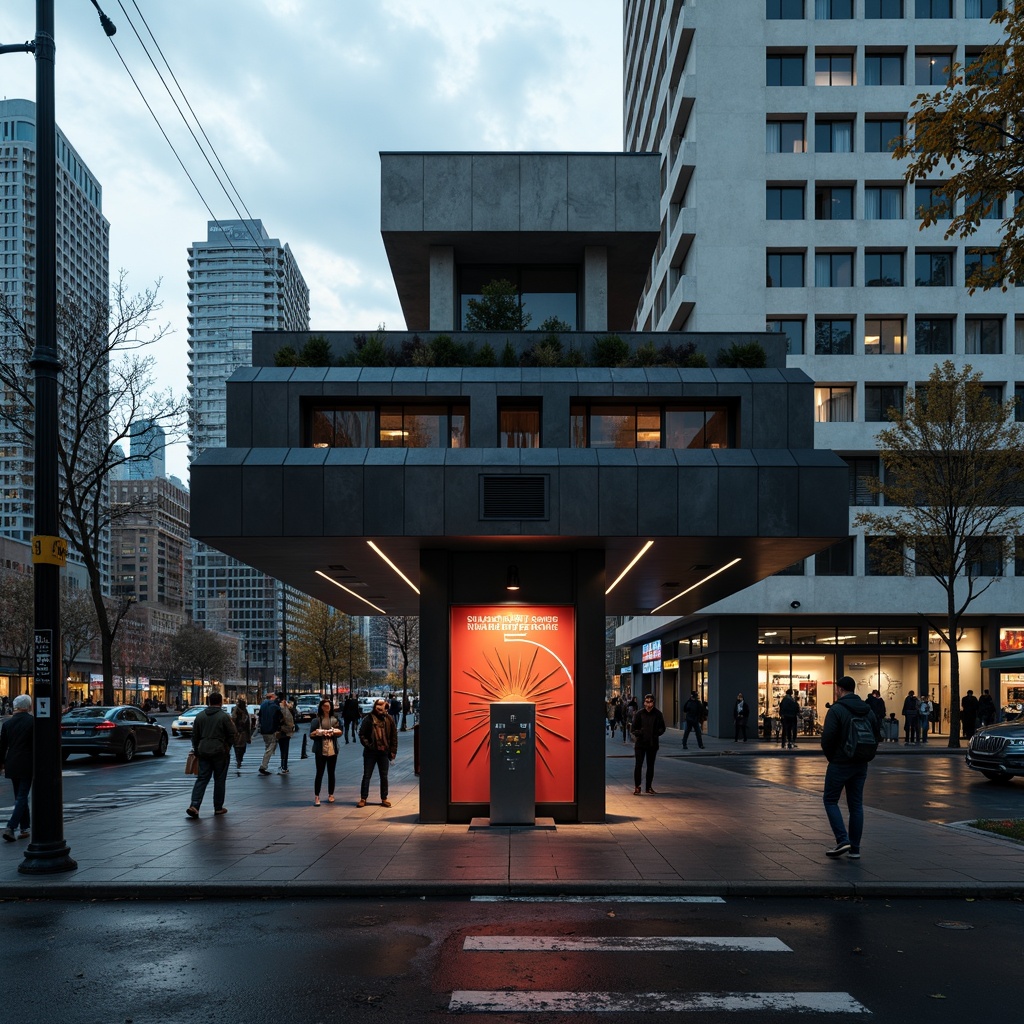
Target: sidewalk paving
(705,832)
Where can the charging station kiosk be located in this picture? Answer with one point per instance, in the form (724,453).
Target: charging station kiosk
(513,763)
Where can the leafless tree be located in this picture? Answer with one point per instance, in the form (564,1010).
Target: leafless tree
(403,634)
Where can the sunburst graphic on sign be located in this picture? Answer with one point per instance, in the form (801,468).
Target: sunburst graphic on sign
(512,677)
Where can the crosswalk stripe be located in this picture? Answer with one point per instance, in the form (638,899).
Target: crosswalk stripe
(622,944)
(677,1002)
(597,899)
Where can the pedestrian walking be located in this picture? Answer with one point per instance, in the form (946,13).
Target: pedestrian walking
(627,716)
(847,766)
(924,714)
(350,716)
(740,715)
(877,705)
(648,725)
(287,730)
(969,714)
(379,738)
(16,735)
(324,732)
(911,719)
(986,708)
(693,715)
(242,721)
(789,712)
(609,717)
(213,736)
(620,717)
(270,724)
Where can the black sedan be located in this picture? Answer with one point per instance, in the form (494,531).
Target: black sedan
(997,751)
(121,731)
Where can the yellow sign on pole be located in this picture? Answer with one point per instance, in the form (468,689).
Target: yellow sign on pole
(49,550)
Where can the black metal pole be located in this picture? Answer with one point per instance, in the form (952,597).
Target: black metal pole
(47,853)
(284,639)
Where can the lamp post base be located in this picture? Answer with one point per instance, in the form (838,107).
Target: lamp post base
(47,859)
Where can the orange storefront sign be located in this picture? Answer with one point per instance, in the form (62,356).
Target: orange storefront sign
(513,654)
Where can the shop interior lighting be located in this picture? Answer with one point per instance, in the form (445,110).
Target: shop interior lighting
(347,591)
(710,576)
(636,558)
(393,566)
(512,578)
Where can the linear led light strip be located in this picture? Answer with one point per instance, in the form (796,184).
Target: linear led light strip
(711,576)
(636,558)
(347,591)
(393,566)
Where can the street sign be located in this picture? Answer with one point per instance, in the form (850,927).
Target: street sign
(49,550)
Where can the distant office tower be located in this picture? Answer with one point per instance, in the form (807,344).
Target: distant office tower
(239,280)
(82,276)
(782,209)
(147,453)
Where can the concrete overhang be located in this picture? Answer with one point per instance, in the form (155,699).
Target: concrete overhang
(520,208)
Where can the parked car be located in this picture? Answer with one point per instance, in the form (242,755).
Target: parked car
(182,725)
(366,704)
(997,751)
(305,708)
(123,731)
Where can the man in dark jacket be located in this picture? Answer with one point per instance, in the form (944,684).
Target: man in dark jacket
(350,717)
(789,712)
(844,772)
(740,715)
(648,724)
(213,736)
(693,713)
(16,762)
(379,737)
(270,719)
(969,714)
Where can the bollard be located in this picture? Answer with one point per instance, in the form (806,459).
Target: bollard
(305,736)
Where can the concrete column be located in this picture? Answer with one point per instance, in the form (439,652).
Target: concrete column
(595,288)
(434,688)
(442,288)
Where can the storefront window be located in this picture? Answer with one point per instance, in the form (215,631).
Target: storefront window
(809,676)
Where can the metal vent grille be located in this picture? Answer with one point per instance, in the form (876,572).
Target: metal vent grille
(513,497)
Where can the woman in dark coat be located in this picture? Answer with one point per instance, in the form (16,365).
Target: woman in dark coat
(324,731)
(243,731)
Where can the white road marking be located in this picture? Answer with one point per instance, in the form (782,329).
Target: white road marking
(622,944)
(676,1002)
(596,899)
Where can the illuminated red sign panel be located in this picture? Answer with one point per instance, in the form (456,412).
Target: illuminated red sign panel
(513,654)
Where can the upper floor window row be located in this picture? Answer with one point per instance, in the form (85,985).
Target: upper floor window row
(833,10)
(607,425)
(434,425)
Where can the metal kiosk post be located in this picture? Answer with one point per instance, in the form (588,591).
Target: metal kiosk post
(513,763)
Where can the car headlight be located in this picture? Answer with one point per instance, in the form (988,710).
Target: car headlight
(1016,743)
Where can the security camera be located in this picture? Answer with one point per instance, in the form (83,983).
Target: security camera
(794,604)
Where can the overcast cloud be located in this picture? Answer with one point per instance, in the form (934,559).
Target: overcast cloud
(299,97)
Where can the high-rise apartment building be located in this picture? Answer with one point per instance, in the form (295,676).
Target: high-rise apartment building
(82,270)
(239,280)
(147,450)
(782,209)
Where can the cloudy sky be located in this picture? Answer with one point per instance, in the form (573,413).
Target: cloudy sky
(298,98)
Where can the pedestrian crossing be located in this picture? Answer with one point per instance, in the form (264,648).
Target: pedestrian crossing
(540,1000)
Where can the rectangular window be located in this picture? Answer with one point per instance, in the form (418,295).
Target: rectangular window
(825,10)
(833,69)
(833,337)
(784,10)
(884,337)
(933,9)
(784,202)
(833,202)
(794,332)
(984,556)
(833,136)
(833,270)
(883,269)
(519,425)
(878,9)
(864,471)
(836,560)
(988,207)
(976,262)
(1018,409)
(833,404)
(883,69)
(882,134)
(785,137)
(883,556)
(785,270)
(981,8)
(1018,336)
(879,399)
(883,202)
(933,336)
(651,426)
(933,269)
(344,428)
(784,69)
(925,198)
(931,67)
(984,336)
(390,426)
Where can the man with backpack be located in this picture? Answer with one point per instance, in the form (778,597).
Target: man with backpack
(849,738)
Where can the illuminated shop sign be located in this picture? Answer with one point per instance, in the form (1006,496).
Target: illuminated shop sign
(651,657)
(1011,640)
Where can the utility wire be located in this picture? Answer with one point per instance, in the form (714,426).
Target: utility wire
(257,242)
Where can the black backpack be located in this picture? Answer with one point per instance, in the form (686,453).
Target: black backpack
(859,743)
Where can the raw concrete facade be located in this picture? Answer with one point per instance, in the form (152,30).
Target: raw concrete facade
(455,517)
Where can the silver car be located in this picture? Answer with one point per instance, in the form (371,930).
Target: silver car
(182,725)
